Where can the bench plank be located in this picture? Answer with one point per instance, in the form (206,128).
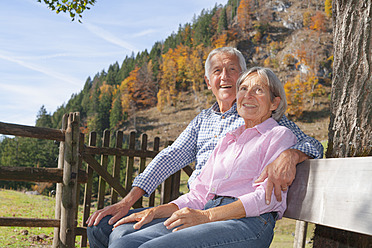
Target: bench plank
(334,192)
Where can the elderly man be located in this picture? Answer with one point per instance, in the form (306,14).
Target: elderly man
(196,143)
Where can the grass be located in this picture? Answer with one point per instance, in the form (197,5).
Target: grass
(18,204)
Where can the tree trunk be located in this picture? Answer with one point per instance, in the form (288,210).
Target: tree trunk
(350,131)
(350,125)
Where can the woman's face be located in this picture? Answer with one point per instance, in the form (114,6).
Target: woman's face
(254,102)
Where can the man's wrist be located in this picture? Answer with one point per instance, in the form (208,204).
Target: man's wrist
(297,155)
(133,196)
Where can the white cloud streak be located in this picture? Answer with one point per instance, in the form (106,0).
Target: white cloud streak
(107,36)
(43,70)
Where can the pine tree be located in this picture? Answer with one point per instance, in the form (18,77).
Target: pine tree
(43,119)
(116,114)
(222,21)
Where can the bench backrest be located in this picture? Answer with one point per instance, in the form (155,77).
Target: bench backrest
(333,192)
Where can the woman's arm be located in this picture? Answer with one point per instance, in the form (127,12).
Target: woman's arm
(188,217)
(146,216)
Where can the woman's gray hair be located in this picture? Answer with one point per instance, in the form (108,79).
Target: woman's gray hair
(225,50)
(275,86)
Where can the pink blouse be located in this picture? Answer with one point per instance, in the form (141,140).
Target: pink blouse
(236,162)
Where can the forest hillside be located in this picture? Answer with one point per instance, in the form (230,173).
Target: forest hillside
(159,91)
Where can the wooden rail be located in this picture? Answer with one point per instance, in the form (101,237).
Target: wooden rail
(72,153)
(31,174)
(32,132)
(333,192)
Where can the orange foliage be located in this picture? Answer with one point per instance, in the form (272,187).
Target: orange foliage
(306,19)
(302,90)
(318,22)
(220,41)
(105,89)
(294,92)
(244,14)
(169,75)
(328,8)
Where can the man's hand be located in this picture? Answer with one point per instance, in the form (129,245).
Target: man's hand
(117,210)
(281,173)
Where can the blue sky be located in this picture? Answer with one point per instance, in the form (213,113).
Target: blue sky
(45,58)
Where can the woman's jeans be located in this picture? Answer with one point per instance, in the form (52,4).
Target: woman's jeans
(252,232)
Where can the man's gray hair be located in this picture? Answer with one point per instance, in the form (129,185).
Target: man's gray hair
(225,50)
(275,86)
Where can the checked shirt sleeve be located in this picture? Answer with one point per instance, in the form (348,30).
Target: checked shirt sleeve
(305,143)
(171,159)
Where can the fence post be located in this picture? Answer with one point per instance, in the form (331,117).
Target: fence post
(104,163)
(300,234)
(117,164)
(88,190)
(156,148)
(69,185)
(57,214)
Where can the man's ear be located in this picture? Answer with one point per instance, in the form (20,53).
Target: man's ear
(207,81)
(275,103)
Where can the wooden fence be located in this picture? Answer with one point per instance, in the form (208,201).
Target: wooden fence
(69,174)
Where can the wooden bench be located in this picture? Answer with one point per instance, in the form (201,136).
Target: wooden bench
(335,192)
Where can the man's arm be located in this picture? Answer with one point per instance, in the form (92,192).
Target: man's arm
(181,153)
(281,172)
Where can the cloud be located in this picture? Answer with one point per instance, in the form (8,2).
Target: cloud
(143,33)
(43,70)
(110,37)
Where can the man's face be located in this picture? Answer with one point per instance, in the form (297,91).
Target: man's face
(224,72)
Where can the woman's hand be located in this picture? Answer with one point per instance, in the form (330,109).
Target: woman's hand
(142,218)
(147,215)
(187,217)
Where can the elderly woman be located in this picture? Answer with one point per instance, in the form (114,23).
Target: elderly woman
(224,206)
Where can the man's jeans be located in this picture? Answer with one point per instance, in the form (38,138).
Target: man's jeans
(252,232)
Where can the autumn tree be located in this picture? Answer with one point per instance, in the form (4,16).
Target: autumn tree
(318,22)
(245,12)
(168,76)
(328,8)
(306,19)
(196,71)
(350,130)
(294,91)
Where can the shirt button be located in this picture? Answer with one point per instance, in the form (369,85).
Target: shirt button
(226,176)
(215,136)
(223,117)
(213,189)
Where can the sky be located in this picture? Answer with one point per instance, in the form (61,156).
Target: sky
(45,57)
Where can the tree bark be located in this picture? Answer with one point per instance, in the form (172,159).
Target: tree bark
(350,123)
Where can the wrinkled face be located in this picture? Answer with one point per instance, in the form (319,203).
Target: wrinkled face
(254,102)
(224,72)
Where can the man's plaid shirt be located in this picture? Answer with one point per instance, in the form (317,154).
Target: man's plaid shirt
(198,140)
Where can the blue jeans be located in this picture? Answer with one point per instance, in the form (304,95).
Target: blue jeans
(252,232)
